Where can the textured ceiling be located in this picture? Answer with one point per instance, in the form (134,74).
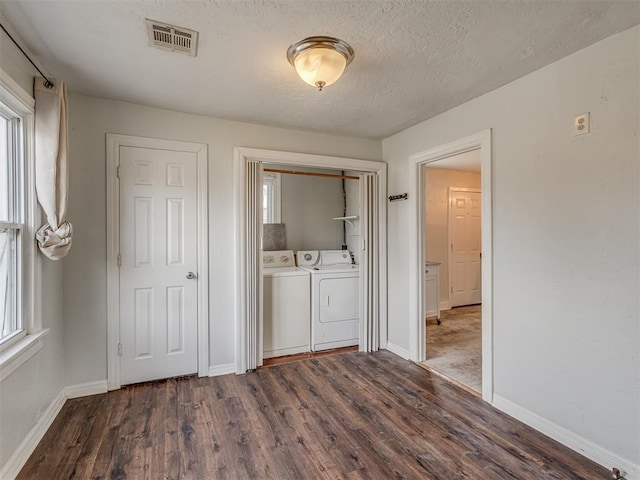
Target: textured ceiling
(414,59)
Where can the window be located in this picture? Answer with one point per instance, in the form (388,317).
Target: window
(12,224)
(21,329)
(271,198)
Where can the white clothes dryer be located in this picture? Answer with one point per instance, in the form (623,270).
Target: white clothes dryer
(335,300)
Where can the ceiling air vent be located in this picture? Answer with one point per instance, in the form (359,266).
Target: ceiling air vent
(172,38)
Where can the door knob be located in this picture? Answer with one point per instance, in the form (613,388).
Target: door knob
(191,276)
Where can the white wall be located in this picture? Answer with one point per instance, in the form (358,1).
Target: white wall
(436,198)
(85,270)
(28,391)
(566,239)
(308,206)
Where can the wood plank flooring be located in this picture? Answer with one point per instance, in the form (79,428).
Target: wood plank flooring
(347,416)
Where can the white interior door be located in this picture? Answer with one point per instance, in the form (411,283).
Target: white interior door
(158,274)
(465,274)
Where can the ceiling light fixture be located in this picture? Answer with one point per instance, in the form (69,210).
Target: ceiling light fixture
(320,61)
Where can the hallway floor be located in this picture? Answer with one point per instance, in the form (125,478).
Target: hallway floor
(454,348)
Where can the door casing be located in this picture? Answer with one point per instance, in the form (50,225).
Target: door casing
(417,327)
(114,142)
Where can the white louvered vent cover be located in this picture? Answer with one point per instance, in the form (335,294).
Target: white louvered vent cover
(172,38)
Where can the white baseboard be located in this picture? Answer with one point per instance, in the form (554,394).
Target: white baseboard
(86,389)
(25,449)
(445,305)
(568,438)
(401,352)
(224,369)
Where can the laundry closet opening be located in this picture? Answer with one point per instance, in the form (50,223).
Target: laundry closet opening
(311,274)
(310,259)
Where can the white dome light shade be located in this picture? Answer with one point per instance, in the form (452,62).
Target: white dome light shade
(320,67)
(320,61)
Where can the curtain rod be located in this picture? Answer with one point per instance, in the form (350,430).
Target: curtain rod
(311,174)
(47,83)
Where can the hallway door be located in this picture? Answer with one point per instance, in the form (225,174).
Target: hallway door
(465,274)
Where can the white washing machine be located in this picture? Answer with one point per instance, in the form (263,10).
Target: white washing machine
(335,298)
(286,305)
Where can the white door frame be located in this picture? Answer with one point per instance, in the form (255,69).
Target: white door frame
(449,263)
(244,155)
(417,330)
(114,142)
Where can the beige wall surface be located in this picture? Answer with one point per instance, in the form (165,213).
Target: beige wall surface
(566,223)
(90,119)
(436,189)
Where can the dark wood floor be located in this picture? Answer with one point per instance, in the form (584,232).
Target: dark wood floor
(348,416)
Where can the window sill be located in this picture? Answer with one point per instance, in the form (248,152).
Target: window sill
(13,357)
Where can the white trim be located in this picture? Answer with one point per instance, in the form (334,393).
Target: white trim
(417,330)
(224,369)
(568,438)
(401,352)
(203,259)
(243,155)
(86,389)
(14,356)
(23,99)
(114,142)
(15,353)
(12,468)
(449,265)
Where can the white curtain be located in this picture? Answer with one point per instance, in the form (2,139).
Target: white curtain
(253,272)
(52,175)
(369,264)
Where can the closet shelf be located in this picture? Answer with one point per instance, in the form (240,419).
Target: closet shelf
(348,219)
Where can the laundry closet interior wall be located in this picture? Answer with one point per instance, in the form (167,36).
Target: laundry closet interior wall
(310,203)
(308,206)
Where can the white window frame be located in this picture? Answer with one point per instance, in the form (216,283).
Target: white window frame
(19,348)
(274,201)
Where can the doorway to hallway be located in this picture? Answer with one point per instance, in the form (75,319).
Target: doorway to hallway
(452,197)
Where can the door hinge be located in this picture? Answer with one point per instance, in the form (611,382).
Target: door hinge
(120,349)
(118,171)
(119,260)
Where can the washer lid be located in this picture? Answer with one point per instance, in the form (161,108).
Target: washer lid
(307,258)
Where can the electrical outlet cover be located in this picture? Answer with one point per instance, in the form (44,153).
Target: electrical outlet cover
(581,124)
